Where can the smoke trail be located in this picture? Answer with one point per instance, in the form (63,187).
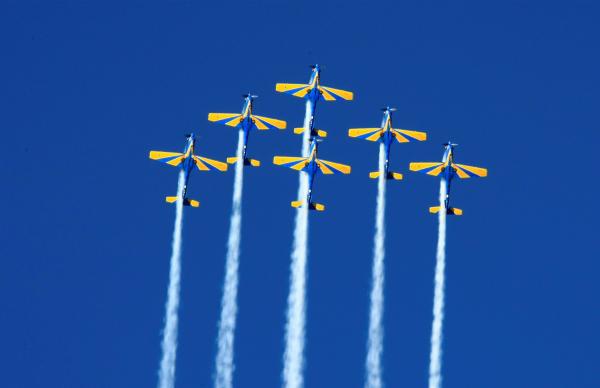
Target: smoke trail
(435,357)
(166,375)
(224,361)
(294,330)
(375,340)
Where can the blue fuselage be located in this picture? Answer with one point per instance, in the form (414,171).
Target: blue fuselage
(188,163)
(448,173)
(311,168)
(387,137)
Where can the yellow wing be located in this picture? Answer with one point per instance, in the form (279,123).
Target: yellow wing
(430,168)
(371,134)
(231,119)
(263,123)
(172,158)
(205,164)
(331,94)
(464,171)
(293,162)
(405,135)
(328,167)
(298,90)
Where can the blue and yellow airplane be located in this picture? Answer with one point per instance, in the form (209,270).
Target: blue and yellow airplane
(313,91)
(449,170)
(246,121)
(187,160)
(386,134)
(311,165)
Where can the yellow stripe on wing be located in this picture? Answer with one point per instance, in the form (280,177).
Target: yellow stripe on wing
(343,168)
(231,119)
(171,158)
(293,162)
(479,171)
(279,124)
(371,134)
(205,164)
(416,135)
(346,95)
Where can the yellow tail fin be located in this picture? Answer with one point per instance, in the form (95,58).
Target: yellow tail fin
(374,175)
(296,203)
(171,199)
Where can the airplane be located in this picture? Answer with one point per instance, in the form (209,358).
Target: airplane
(386,134)
(311,165)
(313,91)
(449,170)
(246,121)
(187,160)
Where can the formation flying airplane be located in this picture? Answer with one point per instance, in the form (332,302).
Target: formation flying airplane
(387,134)
(311,165)
(246,121)
(313,91)
(448,169)
(187,160)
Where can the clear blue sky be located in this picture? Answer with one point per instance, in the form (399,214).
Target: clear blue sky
(86,90)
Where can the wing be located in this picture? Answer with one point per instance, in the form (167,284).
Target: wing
(328,167)
(404,135)
(331,94)
(464,171)
(262,123)
(172,158)
(231,119)
(293,162)
(205,164)
(429,168)
(371,134)
(298,90)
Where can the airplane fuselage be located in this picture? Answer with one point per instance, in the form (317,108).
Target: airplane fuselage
(247,124)
(311,169)
(188,163)
(448,173)
(387,138)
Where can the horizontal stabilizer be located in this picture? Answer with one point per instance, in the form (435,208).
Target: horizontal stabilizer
(186,201)
(313,132)
(247,162)
(374,175)
(296,203)
(251,162)
(394,175)
(191,202)
(451,211)
(316,206)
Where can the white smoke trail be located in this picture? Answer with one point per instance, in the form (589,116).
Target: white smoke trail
(435,357)
(166,375)
(224,361)
(375,340)
(294,331)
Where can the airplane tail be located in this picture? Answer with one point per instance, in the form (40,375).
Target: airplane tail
(453,211)
(247,161)
(314,132)
(390,175)
(186,201)
(312,206)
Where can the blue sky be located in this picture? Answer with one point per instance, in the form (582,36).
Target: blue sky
(88,89)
